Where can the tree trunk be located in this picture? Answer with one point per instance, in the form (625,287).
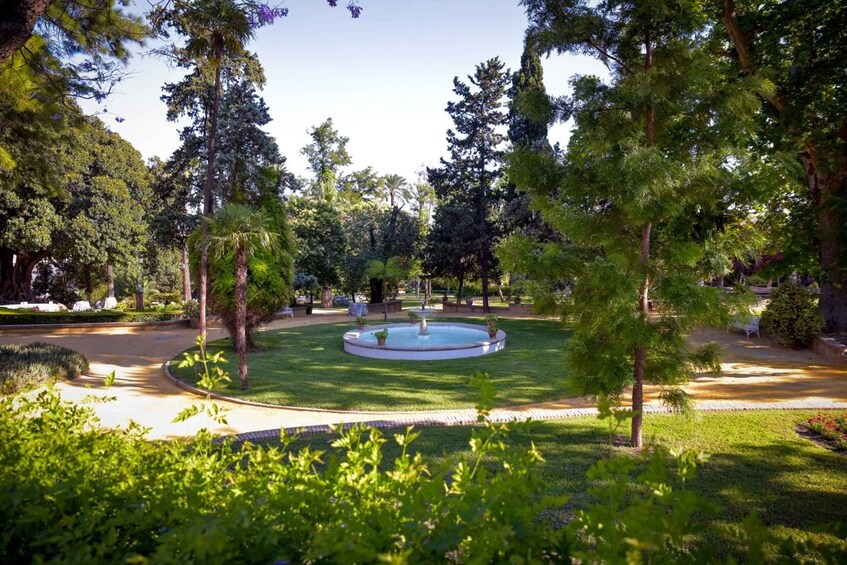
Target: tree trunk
(643,299)
(326,297)
(110,273)
(186,273)
(16,280)
(241,313)
(17,20)
(207,190)
(826,193)
(376,290)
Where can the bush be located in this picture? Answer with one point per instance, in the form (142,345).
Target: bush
(792,315)
(17,317)
(34,364)
(830,426)
(191,309)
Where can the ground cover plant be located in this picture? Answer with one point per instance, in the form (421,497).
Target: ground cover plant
(30,365)
(757,463)
(832,427)
(307,366)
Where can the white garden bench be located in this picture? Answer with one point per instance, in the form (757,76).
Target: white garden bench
(748,326)
(287,312)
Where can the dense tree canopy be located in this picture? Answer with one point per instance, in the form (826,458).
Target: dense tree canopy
(645,189)
(467,181)
(801,47)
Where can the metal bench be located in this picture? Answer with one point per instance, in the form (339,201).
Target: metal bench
(287,312)
(747,326)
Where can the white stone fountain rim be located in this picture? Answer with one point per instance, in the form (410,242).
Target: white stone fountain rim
(356,346)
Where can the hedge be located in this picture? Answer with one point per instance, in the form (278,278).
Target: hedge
(18,317)
(30,365)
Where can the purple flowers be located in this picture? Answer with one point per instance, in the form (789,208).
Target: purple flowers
(265,15)
(119,119)
(355,9)
(57,116)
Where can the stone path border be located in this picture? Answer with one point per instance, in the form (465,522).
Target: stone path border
(503,416)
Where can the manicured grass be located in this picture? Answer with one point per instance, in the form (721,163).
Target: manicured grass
(758,463)
(307,366)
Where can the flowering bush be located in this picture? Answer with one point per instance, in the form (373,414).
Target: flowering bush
(830,426)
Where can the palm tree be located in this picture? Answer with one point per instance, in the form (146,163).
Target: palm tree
(422,196)
(393,185)
(240,230)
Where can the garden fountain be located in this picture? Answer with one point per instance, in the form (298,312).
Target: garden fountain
(434,340)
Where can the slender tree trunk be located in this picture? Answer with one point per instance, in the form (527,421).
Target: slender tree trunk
(636,437)
(241,313)
(207,191)
(186,273)
(326,297)
(110,272)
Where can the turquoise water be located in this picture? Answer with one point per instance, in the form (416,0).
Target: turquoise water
(407,336)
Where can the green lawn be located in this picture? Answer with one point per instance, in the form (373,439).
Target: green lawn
(758,462)
(307,366)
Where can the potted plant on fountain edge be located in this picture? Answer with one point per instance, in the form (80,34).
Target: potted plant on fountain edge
(491,322)
(361,322)
(381,336)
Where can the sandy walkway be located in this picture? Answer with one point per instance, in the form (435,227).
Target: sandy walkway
(757,374)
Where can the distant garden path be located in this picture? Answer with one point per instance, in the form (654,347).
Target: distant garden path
(757,375)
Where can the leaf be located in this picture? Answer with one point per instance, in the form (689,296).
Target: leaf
(110,379)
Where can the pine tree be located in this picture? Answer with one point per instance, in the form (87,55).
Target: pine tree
(467,181)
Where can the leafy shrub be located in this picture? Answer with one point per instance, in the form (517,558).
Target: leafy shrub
(116,497)
(166,297)
(792,315)
(30,365)
(191,309)
(830,426)
(103,316)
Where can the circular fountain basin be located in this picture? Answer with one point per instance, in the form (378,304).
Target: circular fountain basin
(445,341)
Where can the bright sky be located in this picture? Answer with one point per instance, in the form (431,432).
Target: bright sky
(384,78)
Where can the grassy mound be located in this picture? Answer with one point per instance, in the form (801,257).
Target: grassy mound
(30,365)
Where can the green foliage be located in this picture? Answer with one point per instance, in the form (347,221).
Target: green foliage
(326,153)
(361,321)
(271,279)
(321,242)
(381,334)
(34,364)
(464,232)
(830,426)
(792,315)
(18,317)
(131,500)
(191,309)
(211,378)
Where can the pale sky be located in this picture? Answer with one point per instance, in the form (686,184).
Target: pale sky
(384,78)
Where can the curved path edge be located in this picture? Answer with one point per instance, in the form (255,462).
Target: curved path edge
(505,416)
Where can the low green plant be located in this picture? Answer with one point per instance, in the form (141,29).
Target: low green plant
(34,364)
(191,309)
(414,318)
(381,334)
(830,426)
(361,321)
(211,377)
(792,315)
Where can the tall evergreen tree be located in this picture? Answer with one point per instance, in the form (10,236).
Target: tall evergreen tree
(644,190)
(468,180)
(527,130)
(326,154)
